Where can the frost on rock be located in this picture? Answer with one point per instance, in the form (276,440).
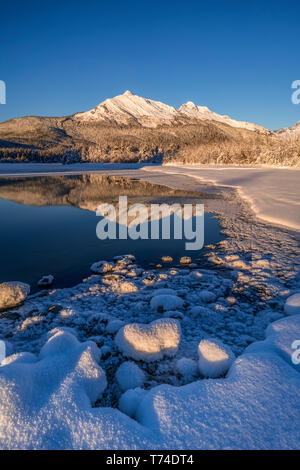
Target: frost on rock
(214,358)
(101,267)
(149,342)
(187,367)
(12,294)
(292,304)
(130,400)
(165,302)
(129,375)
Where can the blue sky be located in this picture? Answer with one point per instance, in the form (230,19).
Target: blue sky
(236,57)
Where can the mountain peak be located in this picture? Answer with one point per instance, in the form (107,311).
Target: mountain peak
(128,93)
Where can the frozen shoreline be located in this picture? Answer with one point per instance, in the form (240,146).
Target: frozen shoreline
(272,193)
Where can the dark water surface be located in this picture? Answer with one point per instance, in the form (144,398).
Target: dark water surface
(48,226)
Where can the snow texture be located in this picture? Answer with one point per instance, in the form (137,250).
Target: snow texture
(129,375)
(149,342)
(292,304)
(12,294)
(214,358)
(164,302)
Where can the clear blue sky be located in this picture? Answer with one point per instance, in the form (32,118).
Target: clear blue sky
(236,57)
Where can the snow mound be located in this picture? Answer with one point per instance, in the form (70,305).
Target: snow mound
(149,342)
(187,368)
(129,375)
(207,296)
(292,304)
(214,358)
(173,314)
(130,400)
(101,267)
(166,302)
(164,291)
(12,294)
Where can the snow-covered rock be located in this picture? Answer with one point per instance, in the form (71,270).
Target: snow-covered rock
(12,294)
(101,267)
(166,302)
(130,400)
(292,304)
(215,358)
(167,259)
(207,296)
(173,314)
(185,260)
(129,375)
(114,325)
(164,291)
(187,367)
(149,342)
(46,281)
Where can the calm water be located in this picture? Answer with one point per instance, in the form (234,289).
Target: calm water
(48,226)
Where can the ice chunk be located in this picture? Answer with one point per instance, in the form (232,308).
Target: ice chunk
(215,358)
(149,342)
(166,302)
(12,294)
(129,375)
(46,281)
(292,304)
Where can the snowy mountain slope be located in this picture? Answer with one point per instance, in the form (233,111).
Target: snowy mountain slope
(123,108)
(290,132)
(202,112)
(127,107)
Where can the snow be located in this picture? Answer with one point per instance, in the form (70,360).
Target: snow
(163,302)
(272,193)
(202,112)
(114,325)
(129,401)
(12,294)
(123,108)
(187,367)
(207,296)
(215,358)
(149,342)
(101,267)
(129,375)
(292,304)
(185,260)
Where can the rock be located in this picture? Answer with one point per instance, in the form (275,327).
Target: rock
(185,260)
(101,267)
(292,304)
(46,281)
(167,259)
(215,358)
(12,294)
(149,342)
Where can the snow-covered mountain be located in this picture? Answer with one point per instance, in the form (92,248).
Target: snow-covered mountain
(290,132)
(149,113)
(202,112)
